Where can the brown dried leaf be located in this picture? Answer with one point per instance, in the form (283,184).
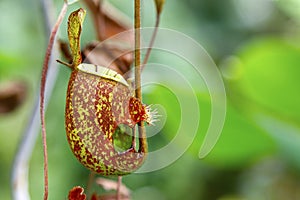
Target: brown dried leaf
(109,22)
(115,22)
(112,185)
(117,53)
(65,50)
(12,95)
(112,56)
(76,193)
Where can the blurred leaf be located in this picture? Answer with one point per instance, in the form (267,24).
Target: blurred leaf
(291,7)
(115,42)
(108,20)
(241,140)
(269,79)
(268,85)
(113,185)
(9,63)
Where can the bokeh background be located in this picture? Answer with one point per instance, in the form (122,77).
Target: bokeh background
(256,46)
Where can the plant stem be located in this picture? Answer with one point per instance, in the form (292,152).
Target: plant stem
(119,184)
(137,70)
(90,184)
(146,58)
(137,50)
(42,93)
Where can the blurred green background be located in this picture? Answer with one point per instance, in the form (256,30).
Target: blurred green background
(256,46)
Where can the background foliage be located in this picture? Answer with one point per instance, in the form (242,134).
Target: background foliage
(256,45)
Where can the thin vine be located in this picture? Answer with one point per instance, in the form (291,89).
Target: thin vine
(42,93)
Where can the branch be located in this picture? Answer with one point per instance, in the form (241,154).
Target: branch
(159,7)
(146,58)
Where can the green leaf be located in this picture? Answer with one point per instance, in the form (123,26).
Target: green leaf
(241,141)
(269,79)
(290,7)
(267,84)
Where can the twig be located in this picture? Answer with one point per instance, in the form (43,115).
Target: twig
(42,93)
(90,184)
(159,7)
(119,184)
(146,58)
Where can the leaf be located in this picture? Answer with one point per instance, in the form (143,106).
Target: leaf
(108,20)
(111,56)
(264,81)
(269,79)
(241,141)
(115,53)
(112,185)
(290,7)
(75,21)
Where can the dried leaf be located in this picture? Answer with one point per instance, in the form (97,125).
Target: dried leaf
(12,95)
(116,22)
(74,31)
(112,185)
(77,193)
(111,56)
(65,50)
(109,22)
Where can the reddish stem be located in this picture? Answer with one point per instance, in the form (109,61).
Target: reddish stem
(151,41)
(42,93)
